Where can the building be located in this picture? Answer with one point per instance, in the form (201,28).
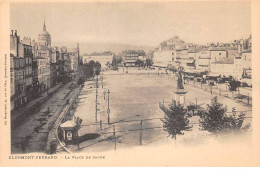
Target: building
(19,97)
(223,68)
(162,58)
(42,49)
(104,58)
(35,84)
(185,59)
(14,43)
(67,62)
(12,80)
(165,54)
(19,72)
(246,57)
(218,54)
(74,58)
(246,60)
(202,62)
(28,57)
(131,56)
(54,67)
(42,77)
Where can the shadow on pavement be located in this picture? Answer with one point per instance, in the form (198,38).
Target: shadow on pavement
(89,136)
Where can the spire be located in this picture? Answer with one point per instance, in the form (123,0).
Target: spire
(44,26)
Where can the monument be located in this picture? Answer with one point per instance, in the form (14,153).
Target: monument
(180,92)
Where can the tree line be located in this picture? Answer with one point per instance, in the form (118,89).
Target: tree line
(89,70)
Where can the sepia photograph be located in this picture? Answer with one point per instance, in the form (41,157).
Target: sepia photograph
(100,77)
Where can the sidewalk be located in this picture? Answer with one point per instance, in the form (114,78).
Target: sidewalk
(90,131)
(221,90)
(32,106)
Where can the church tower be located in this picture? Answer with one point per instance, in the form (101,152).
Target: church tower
(44,37)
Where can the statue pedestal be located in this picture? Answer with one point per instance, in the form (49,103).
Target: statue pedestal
(180,96)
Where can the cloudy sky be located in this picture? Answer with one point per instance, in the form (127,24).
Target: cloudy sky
(142,23)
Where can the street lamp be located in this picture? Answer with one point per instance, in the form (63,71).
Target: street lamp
(108,109)
(102,80)
(96,99)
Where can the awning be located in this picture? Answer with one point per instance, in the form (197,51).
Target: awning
(68,124)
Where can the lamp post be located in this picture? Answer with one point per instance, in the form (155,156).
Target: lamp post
(108,109)
(102,78)
(104,95)
(96,98)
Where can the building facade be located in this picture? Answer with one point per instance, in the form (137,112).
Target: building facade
(131,56)
(19,97)
(165,55)
(202,62)
(28,57)
(42,76)
(12,80)
(19,72)
(104,58)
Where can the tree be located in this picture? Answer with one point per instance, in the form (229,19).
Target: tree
(92,68)
(91,63)
(81,81)
(233,85)
(149,62)
(139,63)
(97,67)
(216,121)
(175,120)
(114,61)
(88,70)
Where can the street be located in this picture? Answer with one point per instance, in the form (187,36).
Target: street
(31,135)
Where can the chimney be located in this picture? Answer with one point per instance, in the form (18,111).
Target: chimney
(12,32)
(15,32)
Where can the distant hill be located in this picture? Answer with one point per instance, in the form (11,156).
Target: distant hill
(101,47)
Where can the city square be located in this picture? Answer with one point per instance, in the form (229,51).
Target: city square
(134,82)
(136,98)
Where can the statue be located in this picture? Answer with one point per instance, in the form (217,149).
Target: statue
(179,81)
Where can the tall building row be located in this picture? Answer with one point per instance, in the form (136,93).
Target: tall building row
(36,66)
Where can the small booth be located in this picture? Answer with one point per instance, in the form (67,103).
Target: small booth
(70,130)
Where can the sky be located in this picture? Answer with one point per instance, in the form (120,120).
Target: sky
(134,23)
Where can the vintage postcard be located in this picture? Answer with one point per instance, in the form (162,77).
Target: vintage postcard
(130,83)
